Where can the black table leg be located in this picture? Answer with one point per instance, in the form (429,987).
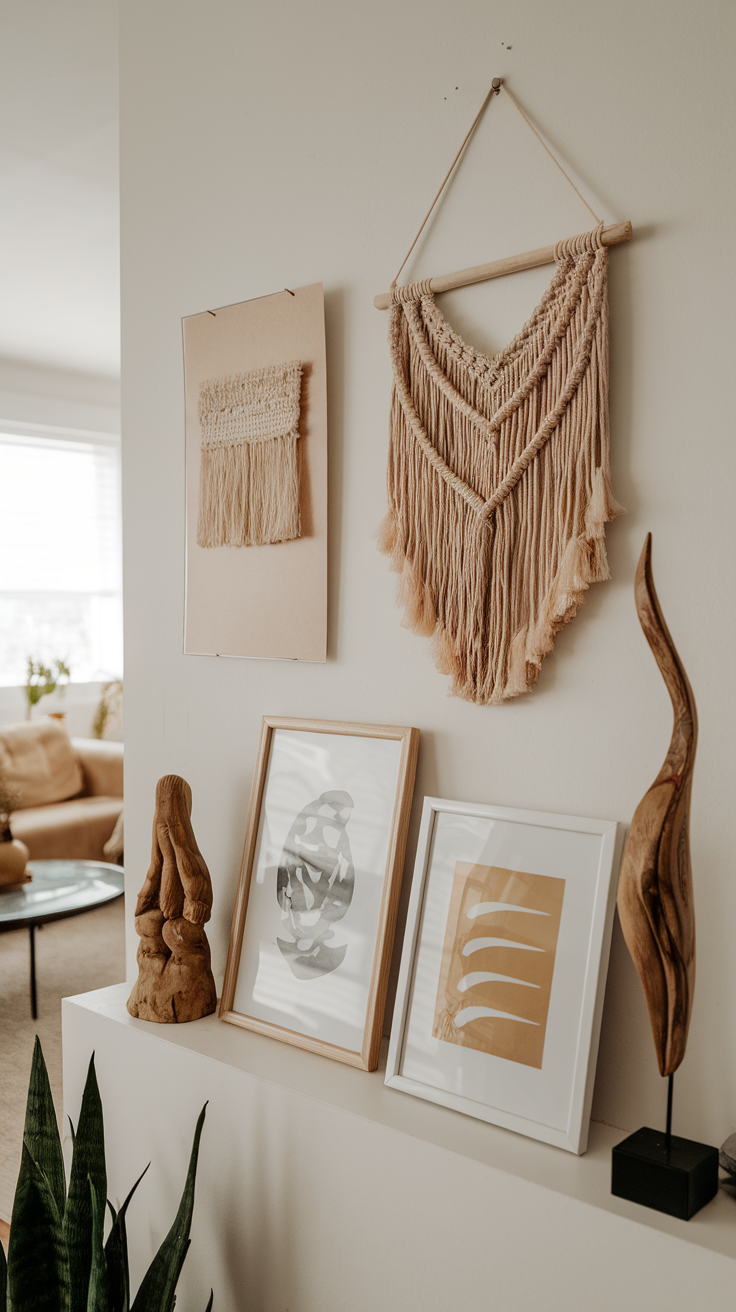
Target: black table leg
(34,1011)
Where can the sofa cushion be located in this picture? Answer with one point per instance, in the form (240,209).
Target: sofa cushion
(102,766)
(38,758)
(68,829)
(114,848)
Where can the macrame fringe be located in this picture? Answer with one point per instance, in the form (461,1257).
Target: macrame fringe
(249,468)
(249,494)
(498,479)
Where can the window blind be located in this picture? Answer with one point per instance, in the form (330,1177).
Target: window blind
(60,554)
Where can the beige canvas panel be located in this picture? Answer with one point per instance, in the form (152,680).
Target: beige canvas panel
(265,601)
(475,946)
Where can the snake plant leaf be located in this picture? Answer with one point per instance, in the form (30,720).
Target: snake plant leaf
(3,1280)
(97,1294)
(210,1301)
(116,1252)
(88,1164)
(38,1268)
(41,1131)
(157,1289)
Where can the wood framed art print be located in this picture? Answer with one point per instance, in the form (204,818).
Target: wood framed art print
(503,972)
(315,913)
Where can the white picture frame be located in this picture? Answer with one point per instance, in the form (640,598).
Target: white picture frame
(514,1044)
(315,913)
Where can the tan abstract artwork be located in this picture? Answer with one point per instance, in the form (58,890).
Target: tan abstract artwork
(498,961)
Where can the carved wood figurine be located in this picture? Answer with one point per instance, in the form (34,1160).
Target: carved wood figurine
(175,981)
(655,897)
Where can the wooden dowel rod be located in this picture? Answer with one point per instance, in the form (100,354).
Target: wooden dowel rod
(612,236)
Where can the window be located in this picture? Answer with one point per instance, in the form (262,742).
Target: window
(60,553)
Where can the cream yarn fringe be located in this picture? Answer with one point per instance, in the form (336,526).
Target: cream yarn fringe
(249,473)
(498,477)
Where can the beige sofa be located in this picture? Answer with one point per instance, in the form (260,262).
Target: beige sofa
(71,789)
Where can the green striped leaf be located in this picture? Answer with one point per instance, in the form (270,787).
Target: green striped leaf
(116,1252)
(38,1269)
(210,1301)
(88,1164)
(41,1132)
(157,1292)
(97,1293)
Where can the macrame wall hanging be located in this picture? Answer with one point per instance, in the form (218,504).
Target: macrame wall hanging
(498,475)
(249,473)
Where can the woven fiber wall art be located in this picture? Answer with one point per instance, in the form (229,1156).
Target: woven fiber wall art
(249,473)
(255,451)
(498,478)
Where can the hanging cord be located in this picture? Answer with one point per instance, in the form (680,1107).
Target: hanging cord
(517,106)
(495,88)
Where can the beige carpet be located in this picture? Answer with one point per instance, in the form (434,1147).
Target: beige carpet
(72,956)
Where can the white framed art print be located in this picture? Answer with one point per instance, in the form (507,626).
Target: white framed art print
(315,913)
(503,972)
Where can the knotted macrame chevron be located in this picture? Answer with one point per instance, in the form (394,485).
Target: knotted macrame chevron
(498,476)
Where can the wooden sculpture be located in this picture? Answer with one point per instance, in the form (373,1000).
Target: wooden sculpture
(175,981)
(655,899)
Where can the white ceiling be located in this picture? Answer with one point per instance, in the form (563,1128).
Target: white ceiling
(59,192)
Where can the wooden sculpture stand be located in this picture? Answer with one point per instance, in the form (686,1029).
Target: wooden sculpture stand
(655,907)
(175,981)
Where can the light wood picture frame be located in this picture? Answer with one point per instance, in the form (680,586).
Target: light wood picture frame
(315,912)
(503,971)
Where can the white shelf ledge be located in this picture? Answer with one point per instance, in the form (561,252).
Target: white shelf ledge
(586,1178)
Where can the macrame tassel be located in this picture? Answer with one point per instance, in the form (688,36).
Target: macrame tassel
(498,477)
(249,472)
(249,494)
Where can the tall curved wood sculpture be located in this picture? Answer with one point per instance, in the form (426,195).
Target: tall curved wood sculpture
(175,981)
(655,897)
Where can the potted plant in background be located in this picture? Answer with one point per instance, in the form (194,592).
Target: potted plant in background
(40,681)
(13,853)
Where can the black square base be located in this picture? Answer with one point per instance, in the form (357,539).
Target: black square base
(678,1180)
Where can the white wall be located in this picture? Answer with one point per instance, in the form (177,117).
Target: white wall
(58,398)
(271,145)
(59,198)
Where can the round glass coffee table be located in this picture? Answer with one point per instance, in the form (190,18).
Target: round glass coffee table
(58,889)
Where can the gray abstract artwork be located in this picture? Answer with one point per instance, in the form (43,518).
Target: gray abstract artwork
(314,885)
